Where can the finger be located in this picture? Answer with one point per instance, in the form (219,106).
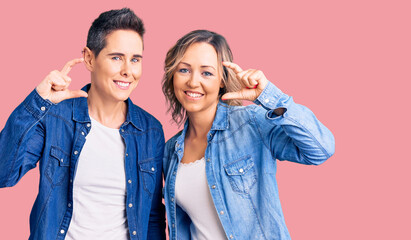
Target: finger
(70,64)
(237,69)
(53,75)
(58,83)
(67,79)
(233,95)
(254,77)
(246,79)
(76,94)
(240,78)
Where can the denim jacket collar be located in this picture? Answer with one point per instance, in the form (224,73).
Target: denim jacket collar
(220,123)
(81,114)
(221,117)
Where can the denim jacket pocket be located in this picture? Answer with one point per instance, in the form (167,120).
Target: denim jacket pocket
(241,174)
(57,166)
(148,171)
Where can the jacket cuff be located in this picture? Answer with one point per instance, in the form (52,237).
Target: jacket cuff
(36,105)
(270,97)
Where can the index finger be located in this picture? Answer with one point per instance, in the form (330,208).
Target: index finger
(237,69)
(70,64)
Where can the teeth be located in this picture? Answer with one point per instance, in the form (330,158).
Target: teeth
(195,95)
(123,84)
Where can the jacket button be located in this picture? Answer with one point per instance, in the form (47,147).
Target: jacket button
(62,231)
(88,125)
(231,236)
(241,170)
(43,109)
(75,152)
(134,233)
(221,212)
(130,205)
(213,187)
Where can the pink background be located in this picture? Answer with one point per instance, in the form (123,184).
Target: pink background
(349,61)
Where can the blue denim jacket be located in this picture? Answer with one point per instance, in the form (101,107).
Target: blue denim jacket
(243,145)
(53,135)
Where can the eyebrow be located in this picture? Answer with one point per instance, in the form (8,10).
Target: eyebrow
(122,54)
(203,66)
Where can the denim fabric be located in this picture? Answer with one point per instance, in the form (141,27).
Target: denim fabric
(243,145)
(54,135)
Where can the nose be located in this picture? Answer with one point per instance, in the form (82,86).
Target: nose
(125,70)
(194,80)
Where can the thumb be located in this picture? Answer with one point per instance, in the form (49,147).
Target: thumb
(77,94)
(233,95)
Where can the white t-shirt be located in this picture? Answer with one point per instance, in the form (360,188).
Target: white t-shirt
(193,196)
(99,192)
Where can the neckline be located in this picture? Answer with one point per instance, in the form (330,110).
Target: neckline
(101,125)
(196,162)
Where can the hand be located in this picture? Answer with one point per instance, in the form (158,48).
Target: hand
(253,82)
(55,86)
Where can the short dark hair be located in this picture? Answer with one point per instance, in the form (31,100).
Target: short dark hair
(107,22)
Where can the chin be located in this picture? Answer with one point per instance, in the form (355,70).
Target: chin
(121,97)
(192,108)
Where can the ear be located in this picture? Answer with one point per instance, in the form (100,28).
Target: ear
(222,84)
(89,58)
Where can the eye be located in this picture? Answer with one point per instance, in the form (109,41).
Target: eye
(208,74)
(135,60)
(183,70)
(116,58)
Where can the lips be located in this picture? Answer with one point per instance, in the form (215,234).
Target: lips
(193,95)
(122,85)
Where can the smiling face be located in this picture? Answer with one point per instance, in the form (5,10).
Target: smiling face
(197,79)
(116,71)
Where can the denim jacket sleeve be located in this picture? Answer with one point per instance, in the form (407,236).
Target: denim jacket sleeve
(22,139)
(295,136)
(157,225)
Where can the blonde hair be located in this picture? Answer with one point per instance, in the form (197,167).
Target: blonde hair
(176,53)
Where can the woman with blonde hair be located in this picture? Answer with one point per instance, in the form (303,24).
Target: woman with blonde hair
(220,169)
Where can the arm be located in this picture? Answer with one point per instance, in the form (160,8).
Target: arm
(290,131)
(296,134)
(22,139)
(157,225)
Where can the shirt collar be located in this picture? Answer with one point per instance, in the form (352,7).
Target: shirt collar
(221,117)
(220,120)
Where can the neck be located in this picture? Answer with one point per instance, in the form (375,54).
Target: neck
(111,114)
(200,123)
